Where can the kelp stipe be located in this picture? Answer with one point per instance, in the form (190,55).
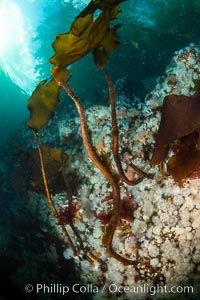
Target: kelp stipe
(110,176)
(102,41)
(91,35)
(50,201)
(115,137)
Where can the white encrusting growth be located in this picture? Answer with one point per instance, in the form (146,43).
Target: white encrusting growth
(165,226)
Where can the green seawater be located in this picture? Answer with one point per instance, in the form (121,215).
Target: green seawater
(151,31)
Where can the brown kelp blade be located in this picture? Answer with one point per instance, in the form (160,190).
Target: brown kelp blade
(180,117)
(181,165)
(180,120)
(42,103)
(87,34)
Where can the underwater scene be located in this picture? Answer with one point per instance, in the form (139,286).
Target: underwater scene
(100,149)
